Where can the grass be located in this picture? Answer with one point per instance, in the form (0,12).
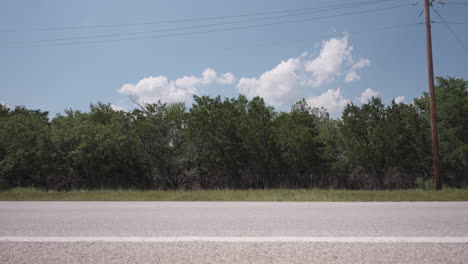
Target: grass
(313,195)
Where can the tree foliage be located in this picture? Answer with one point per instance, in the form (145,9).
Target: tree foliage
(236,143)
(452,118)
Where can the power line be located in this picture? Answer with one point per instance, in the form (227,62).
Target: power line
(453,23)
(451,30)
(180,28)
(172,29)
(217,30)
(198,19)
(293,41)
(455,3)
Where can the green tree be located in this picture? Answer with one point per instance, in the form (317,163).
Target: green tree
(385,147)
(26,152)
(94,149)
(299,146)
(257,133)
(236,143)
(218,145)
(452,120)
(158,140)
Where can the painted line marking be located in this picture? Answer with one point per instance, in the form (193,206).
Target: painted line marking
(279,239)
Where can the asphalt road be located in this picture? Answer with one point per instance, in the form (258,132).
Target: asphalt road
(218,232)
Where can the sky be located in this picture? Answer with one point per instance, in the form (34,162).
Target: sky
(57,54)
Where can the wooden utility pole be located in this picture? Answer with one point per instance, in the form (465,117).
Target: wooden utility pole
(430,68)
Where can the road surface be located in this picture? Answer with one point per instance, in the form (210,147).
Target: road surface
(233,232)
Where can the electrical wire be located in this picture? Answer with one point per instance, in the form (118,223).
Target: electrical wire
(452,23)
(215,30)
(178,28)
(294,41)
(455,3)
(451,30)
(197,19)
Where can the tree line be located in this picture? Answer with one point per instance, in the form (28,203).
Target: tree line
(236,143)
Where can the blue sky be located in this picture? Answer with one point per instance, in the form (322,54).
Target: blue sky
(328,61)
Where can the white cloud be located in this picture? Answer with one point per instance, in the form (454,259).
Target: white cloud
(118,108)
(399,99)
(4,104)
(328,64)
(273,85)
(153,89)
(361,64)
(352,73)
(227,78)
(281,84)
(352,76)
(188,81)
(332,100)
(366,95)
(208,77)
(160,88)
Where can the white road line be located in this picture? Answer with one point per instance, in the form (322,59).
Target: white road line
(279,239)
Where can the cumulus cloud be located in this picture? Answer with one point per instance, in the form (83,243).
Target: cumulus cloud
(275,84)
(328,64)
(160,88)
(188,81)
(280,84)
(352,74)
(399,99)
(153,89)
(332,100)
(208,77)
(118,108)
(361,64)
(366,95)
(227,78)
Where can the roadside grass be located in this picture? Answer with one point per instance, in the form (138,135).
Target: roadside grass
(279,195)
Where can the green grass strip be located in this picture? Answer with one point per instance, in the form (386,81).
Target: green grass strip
(280,195)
